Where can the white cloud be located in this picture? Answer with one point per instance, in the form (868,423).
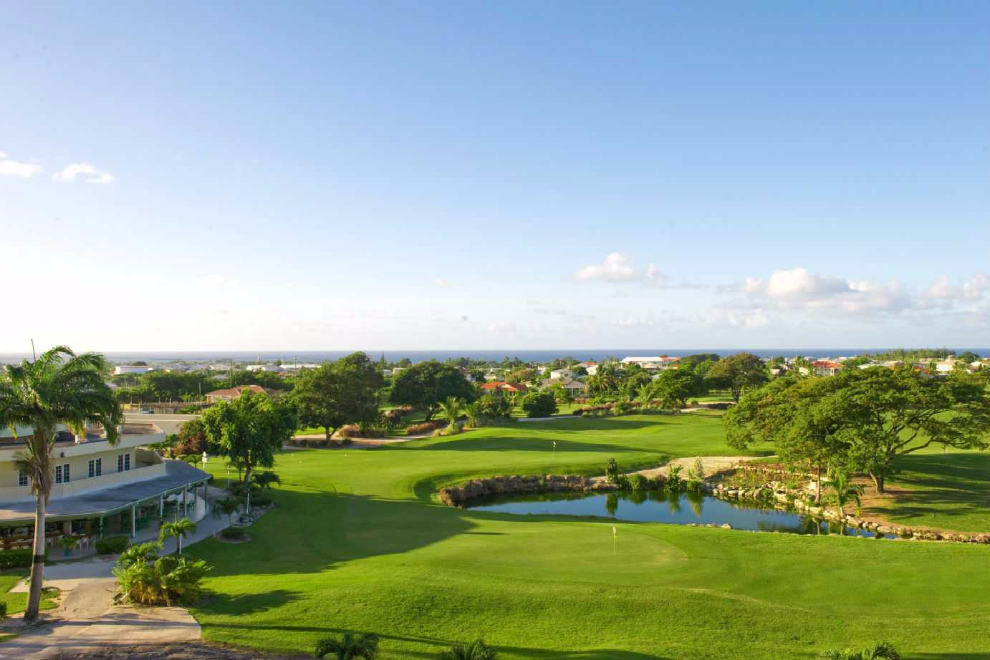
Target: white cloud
(618,267)
(799,288)
(502,327)
(440,282)
(632,322)
(10,167)
(85,172)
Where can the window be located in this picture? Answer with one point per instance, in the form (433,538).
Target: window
(123,462)
(99,466)
(127,461)
(22,479)
(62,474)
(92,468)
(95,467)
(65,473)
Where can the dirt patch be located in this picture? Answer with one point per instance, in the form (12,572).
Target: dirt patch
(183,651)
(710,464)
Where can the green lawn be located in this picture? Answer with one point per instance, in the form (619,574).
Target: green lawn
(942,490)
(17,602)
(381,557)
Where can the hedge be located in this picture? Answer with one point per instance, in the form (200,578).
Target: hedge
(16,558)
(112,545)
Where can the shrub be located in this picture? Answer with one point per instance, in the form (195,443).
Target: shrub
(3,610)
(697,471)
(612,474)
(673,477)
(879,651)
(15,558)
(423,427)
(476,650)
(348,647)
(147,579)
(495,408)
(539,404)
(232,533)
(638,482)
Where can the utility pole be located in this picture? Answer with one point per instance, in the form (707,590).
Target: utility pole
(34,355)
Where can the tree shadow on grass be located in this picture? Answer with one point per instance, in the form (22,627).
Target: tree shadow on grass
(440,644)
(947,485)
(248,603)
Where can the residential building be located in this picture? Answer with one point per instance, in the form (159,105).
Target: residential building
(826,367)
(501,386)
(654,363)
(99,489)
(216,396)
(560,374)
(121,369)
(575,387)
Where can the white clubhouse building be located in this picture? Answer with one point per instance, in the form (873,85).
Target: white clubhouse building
(98,489)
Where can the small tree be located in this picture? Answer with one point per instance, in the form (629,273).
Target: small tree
(476,650)
(179,529)
(844,489)
(451,408)
(348,647)
(249,429)
(226,506)
(539,404)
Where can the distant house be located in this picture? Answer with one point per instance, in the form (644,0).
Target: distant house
(575,387)
(121,369)
(270,368)
(467,374)
(216,396)
(560,374)
(945,366)
(826,367)
(653,363)
(501,386)
(590,367)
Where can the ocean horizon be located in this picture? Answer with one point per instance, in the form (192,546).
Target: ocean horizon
(497,355)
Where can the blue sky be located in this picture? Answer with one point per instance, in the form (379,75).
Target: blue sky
(514,175)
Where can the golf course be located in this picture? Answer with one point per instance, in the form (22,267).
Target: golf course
(357,542)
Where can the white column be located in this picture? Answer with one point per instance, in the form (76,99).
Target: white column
(133,520)
(184,492)
(161,506)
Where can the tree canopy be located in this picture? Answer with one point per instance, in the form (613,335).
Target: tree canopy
(863,419)
(249,430)
(738,372)
(338,393)
(426,384)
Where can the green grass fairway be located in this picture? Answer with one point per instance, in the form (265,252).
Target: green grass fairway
(358,544)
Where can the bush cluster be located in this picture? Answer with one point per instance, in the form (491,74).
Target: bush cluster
(112,545)
(360,431)
(147,579)
(16,558)
(425,426)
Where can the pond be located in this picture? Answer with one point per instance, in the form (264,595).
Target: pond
(677,509)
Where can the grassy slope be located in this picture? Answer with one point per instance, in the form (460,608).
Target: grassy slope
(381,557)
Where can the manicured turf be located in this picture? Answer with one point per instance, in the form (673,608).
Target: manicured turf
(379,556)
(17,602)
(942,490)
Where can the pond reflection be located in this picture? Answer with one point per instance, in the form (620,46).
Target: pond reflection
(654,506)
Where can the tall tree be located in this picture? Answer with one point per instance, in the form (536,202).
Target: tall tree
(338,393)
(249,429)
(738,372)
(675,387)
(59,387)
(426,384)
(891,413)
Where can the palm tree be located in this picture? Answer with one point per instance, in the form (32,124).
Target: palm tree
(179,529)
(451,408)
(476,650)
(59,387)
(845,490)
(348,647)
(226,506)
(474,413)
